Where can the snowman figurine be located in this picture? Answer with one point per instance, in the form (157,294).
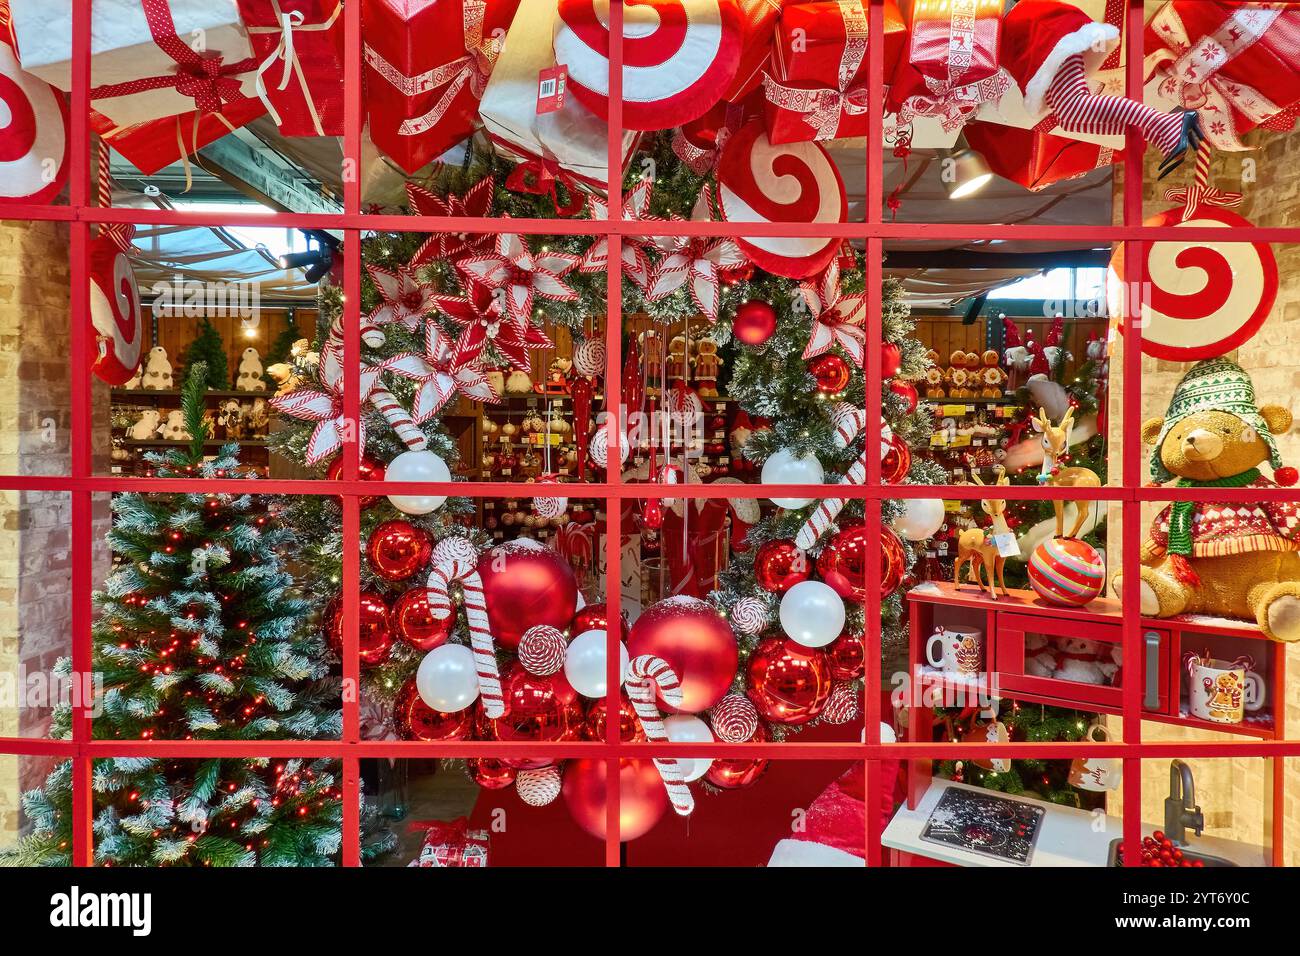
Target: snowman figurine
(250,372)
(157,369)
(145,426)
(174,428)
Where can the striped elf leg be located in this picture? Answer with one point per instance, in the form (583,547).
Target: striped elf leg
(1080,111)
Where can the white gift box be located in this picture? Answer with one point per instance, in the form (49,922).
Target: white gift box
(571,136)
(123,49)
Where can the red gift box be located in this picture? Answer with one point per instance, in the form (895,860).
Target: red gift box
(299,48)
(451,844)
(1035,159)
(817,87)
(158,143)
(1238,65)
(427,63)
(759,19)
(955,42)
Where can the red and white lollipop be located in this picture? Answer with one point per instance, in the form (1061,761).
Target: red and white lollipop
(114,312)
(793,182)
(33,135)
(679,57)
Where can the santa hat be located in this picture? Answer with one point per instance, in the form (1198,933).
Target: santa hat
(835,827)
(1040,365)
(1038,36)
(1057,331)
(1010,333)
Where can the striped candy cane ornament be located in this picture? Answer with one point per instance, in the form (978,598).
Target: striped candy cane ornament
(849,423)
(645,674)
(454,559)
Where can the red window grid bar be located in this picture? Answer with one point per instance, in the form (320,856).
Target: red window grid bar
(82,484)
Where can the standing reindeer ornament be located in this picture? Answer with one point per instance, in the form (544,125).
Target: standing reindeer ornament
(1056,452)
(987,551)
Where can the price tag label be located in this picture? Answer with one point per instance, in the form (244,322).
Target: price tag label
(1007,545)
(960,441)
(551,83)
(952,507)
(949,410)
(939,439)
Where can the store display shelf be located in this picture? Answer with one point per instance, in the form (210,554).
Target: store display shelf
(183,442)
(131,394)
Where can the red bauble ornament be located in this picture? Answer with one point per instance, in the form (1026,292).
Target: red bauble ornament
(524,584)
(780,565)
(642,799)
(398,549)
(831,372)
(537,709)
(896,463)
(788,683)
(490,774)
(739,774)
(376,635)
(367,470)
(416,720)
(414,622)
(843,562)
(697,644)
(629,727)
(1286,476)
(907,392)
(891,358)
(595,617)
(848,655)
(893,562)
(754,323)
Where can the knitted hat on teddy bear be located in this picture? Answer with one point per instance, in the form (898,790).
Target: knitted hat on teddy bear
(1213,385)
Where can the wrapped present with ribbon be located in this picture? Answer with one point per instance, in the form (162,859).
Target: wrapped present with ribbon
(299,48)
(563,144)
(1032,158)
(450,844)
(758,26)
(427,63)
(1237,64)
(816,85)
(155,144)
(144,62)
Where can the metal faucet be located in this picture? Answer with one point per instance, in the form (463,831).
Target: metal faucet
(1181,810)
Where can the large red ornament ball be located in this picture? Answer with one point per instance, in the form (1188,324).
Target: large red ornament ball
(831,372)
(414,622)
(891,359)
(416,720)
(488,773)
(789,683)
(893,562)
(1066,571)
(524,584)
(907,392)
(629,727)
(537,709)
(896,463)
(367,470)
(376,633)
(697,644)
(642,799)
(848,654)
(595,617)
(843,562)
(754,323)
(739,774)
(398,549)
(779,565)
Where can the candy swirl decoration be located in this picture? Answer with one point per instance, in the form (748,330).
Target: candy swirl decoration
(33,135)
(114,312)
(679,57)
(791,183)
(1206,299)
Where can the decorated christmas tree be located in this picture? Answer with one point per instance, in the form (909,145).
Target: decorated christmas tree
(208,349)
(200,635)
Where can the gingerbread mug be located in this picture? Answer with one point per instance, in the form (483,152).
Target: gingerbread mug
(1097,774)
(1222,692)
(956,650)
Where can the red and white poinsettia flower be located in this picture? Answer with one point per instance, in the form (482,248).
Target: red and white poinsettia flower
(514,274)
(479,317)
(406,300)
(451,246)
(324,406)
(636,264)
(439,377)
(700,264)
(838,319)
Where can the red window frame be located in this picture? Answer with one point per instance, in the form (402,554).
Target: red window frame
(82,484)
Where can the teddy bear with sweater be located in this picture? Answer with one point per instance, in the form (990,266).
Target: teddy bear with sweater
(1077,660)
(1235,559)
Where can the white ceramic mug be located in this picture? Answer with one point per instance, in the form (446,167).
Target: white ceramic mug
(1097,774)
(1223,691)
(956,650)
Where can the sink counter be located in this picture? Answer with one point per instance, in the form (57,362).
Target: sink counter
(1069,837)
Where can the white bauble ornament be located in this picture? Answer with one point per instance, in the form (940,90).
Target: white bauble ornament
(784,468)
(417,466)
(447,679)
(920,519)
(689,729)
(812,614)
(584,664)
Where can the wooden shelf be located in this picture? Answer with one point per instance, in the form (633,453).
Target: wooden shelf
(178,442)
(175,393)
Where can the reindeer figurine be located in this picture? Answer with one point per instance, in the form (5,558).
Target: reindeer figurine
(1056,449)
(980,549)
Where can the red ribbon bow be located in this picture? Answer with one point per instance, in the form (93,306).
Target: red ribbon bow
(539,177)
